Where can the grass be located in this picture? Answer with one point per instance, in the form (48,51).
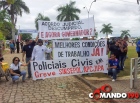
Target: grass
(131,54)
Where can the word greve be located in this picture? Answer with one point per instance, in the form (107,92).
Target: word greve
(106,89)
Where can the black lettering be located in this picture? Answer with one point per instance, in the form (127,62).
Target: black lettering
(72,63)
(35,64)
(40,67)
(49,66)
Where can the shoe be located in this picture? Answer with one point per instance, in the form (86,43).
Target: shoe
(113,80)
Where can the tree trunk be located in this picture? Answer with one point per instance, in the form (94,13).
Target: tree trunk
(13,24)
(13,33)
(106,35)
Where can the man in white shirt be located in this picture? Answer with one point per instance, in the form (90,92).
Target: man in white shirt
(39,51)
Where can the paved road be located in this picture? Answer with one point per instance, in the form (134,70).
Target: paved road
(43,91)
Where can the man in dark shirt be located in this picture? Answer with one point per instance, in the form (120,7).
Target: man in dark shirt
(17,45)
(115,49)
(27,49)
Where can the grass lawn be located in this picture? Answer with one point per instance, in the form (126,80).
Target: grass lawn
(131,54)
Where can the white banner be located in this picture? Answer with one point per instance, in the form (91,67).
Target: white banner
(27,31)
(66,29)
(66,67)
(79,48)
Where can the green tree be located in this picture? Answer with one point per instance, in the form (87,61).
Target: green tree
(5,23)
(14,9)
(96,34)
(26,36)
(75,38)
(68,12)
(125,33)
(107,29)
(40,17)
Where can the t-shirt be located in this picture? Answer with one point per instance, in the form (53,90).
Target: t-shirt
(15,67)
(17,44)
(115,50)
(28,49)
(138,47)
(11,45)
(39,52)
(114,62)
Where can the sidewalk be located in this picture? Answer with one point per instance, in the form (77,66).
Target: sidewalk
(66,89)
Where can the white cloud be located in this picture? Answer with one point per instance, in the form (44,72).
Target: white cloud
(122,15)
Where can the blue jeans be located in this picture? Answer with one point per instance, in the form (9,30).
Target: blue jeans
(113,72)
(122,60)
(23,74)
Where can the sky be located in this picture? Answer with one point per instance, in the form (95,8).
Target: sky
(122,14)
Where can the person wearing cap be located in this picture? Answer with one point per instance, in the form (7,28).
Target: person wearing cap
(39,51)
(27,49)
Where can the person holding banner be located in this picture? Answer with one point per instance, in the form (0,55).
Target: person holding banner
(39,51)
(27,49)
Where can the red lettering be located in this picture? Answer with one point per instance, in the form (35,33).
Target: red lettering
(52,34)
(96,52)
(38,75)
(133,95)
(42,35)
(70,70)
(102,49)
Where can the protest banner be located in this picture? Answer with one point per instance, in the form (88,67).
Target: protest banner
(66,29)
(79,48)
(66,67)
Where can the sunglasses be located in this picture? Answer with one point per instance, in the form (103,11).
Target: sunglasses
(16,60)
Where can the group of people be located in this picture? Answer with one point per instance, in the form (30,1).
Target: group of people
(118,54)
(15,46)
(34,50)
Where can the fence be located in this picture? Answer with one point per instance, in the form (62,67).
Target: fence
(134,69)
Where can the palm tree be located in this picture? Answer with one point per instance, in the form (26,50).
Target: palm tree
(107,29)
(125,33)
(14,9)
(5,23)
(40,17)
(68,12)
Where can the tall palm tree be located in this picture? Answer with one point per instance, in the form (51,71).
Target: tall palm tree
(107,29)
(68,12)
(125,33)
(15,9)
(40,17)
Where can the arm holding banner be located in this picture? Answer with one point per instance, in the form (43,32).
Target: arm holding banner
(37,38)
